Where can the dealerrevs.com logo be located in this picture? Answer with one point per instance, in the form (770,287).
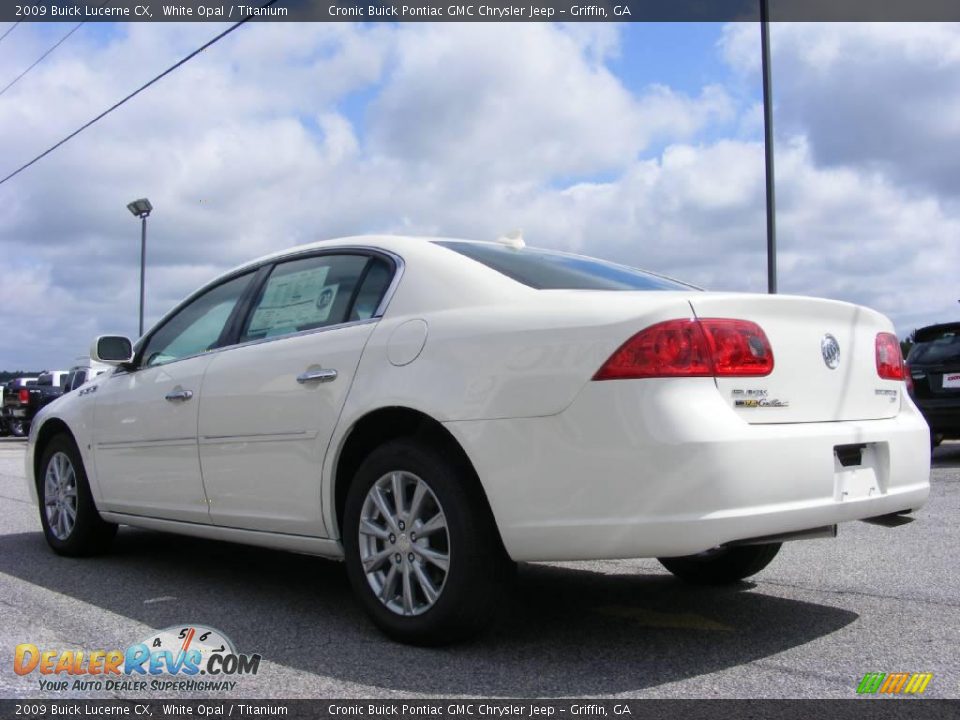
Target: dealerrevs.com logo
(180,658)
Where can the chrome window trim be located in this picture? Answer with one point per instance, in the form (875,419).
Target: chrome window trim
(261,341)
(399,267)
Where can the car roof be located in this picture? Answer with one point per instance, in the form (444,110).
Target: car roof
(930,332)
(399,244)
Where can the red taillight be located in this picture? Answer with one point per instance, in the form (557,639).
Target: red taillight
(692,348)
(740,348)
(890,365)
(23,396)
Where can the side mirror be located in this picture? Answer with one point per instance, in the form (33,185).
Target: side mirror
(112,350)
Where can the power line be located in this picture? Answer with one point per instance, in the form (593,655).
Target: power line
(10,30)
(40,59)
(134,94)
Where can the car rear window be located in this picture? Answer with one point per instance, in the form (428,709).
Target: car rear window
(936,346)
(551,270)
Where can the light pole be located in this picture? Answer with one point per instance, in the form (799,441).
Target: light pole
(768,146)
(141,208)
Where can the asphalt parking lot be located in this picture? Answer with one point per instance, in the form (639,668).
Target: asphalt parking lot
(823,614)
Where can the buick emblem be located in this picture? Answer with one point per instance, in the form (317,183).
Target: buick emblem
(831,351)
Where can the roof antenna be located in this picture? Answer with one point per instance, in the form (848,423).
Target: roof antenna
(514,239)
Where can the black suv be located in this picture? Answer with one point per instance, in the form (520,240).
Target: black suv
(934,362)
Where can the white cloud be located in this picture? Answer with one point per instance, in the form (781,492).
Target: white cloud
(521,102)
(881,96)
(468,130)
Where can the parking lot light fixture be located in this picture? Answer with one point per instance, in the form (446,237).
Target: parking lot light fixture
(141,208)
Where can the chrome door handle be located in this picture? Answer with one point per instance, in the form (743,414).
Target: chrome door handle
(175,395)
(319,376)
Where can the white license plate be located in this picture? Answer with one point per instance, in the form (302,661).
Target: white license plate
(951,380)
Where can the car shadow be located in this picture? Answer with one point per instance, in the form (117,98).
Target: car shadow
(564,631)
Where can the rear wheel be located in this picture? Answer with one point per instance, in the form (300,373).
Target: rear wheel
(18,428)
(71,523)
(422,551)
(723,565)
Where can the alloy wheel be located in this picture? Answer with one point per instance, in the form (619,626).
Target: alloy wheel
(60,496)
(404,543)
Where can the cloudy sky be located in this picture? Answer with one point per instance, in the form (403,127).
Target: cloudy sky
(638,143)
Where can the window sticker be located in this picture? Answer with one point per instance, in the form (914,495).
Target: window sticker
(294,301)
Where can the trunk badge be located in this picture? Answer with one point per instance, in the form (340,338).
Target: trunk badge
(831,351)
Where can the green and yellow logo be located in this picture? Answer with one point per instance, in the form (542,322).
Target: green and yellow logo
(894,683)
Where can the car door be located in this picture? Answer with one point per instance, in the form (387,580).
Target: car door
(145,420)
(271,403)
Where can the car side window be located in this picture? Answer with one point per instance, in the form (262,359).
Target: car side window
(197,327)
(372,289)
(305,294)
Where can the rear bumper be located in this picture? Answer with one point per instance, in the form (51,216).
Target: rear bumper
(665,467)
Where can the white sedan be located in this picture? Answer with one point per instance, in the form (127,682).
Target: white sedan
(430,410)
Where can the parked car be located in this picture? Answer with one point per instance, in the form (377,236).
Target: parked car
(934,366)
(80,374)
(432,410)
(4,428)
(15,392)
(31,398)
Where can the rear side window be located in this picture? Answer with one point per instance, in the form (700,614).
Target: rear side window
(305,294)
(372,289)
(936,347)
(549,270)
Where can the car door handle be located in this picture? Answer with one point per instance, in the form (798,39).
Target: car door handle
(178,395)
(318,376)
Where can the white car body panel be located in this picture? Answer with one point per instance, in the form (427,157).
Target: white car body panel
(572,468)
(262,451)
(660,467)
(145,447)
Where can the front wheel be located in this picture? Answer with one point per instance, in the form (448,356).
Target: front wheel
(722,566)
(71,524)
(422,551)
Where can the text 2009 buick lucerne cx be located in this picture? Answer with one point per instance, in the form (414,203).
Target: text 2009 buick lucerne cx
(432,410)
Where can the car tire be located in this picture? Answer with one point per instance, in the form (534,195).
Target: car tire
(399,567)
(18,428)
(722,566)
(71,523)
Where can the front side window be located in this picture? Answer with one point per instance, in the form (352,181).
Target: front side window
(305,294)
(198,326)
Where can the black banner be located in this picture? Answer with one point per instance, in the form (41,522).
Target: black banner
(875,709)
(465,10)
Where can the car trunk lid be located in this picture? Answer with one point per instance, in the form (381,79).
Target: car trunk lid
(804,333)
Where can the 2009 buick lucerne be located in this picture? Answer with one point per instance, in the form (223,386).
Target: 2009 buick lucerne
(431,410)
